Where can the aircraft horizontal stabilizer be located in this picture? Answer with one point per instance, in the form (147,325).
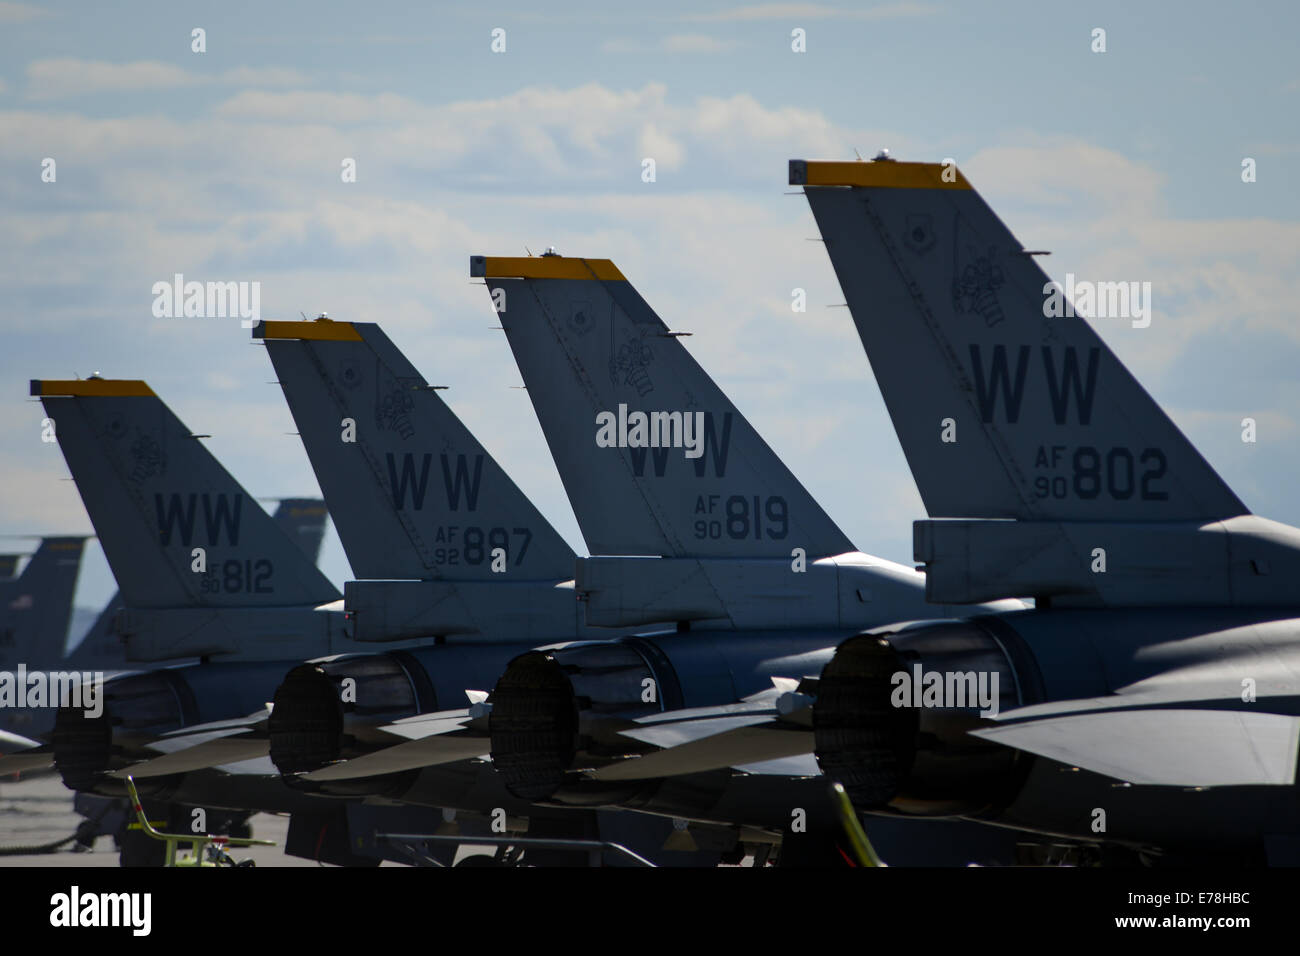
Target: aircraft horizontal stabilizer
(691,731)
(751,739)
(429,725)
(24,755)
(26,762)
(253,767)
(254,721)
(1172,748)
(12,743)
(219,748)
(804,765)
(781,698)
(425,752)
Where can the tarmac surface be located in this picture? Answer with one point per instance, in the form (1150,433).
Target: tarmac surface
(38,810)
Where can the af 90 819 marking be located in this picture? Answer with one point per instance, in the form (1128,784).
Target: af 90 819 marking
(740,517)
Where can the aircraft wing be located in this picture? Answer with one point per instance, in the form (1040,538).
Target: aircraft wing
(1165,747)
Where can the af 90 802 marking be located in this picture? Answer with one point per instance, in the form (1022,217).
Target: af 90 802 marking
(1118,473)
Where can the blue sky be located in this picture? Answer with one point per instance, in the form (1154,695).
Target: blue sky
(225,165)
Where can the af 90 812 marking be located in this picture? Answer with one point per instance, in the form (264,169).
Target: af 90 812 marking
(250,576)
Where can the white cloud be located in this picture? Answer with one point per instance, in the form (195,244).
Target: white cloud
(1058,171)
(695,43)
(66,76)
(665,150)
(260,76)
(813,11)
(20,13)
(714,247)
(1104,217)
(69,76)
(307,106)
(676,43)
(536,137)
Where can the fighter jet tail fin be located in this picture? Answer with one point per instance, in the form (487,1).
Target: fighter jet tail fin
(413,493)
(36,606)
(1006,401)
(101,648)
(655,459)
(177,529)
